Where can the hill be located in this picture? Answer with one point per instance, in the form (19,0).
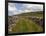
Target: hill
(26,22)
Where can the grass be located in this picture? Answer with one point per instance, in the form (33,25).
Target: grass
(38,14)
(25,25)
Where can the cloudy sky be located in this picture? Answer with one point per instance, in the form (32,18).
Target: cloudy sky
(18,8)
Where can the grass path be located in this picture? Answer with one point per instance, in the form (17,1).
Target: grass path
(25,25)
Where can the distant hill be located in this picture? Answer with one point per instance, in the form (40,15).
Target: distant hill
(31,13)
(38,13)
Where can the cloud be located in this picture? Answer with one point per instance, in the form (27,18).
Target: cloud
(33,7)
(13,10)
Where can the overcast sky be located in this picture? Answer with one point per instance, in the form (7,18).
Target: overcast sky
(18,8)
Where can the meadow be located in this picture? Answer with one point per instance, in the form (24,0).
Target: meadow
(26,22)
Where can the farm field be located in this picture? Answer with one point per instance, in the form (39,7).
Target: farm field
(26,22)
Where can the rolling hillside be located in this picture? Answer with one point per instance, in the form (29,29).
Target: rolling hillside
(26,22)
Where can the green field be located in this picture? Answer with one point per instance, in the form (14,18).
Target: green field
(38,14)
(23,24)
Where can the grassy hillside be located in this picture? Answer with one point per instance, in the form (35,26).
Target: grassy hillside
(38,14)
(22,23)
